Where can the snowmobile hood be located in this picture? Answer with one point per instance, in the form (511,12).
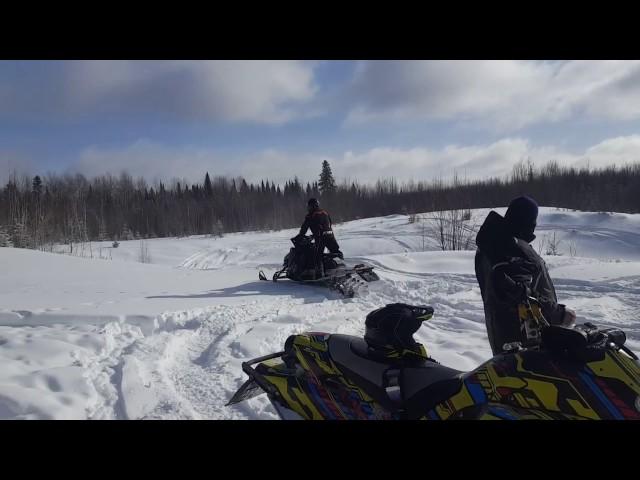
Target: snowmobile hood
(495,239)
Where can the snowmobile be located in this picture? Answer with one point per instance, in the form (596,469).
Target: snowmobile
(299,266)
(584,372)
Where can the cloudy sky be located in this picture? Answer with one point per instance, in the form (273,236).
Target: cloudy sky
(276,119)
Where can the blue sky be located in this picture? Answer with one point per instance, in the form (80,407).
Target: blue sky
(275,119)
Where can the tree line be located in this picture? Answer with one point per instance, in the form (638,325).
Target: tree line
(39,211)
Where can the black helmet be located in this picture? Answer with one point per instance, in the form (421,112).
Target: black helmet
(312,204)
(394,325)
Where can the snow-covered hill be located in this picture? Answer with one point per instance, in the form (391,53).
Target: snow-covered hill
(95,338)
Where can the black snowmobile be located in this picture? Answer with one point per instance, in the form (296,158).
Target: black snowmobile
(299,266)
(582,373)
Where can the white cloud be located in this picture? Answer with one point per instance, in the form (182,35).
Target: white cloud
(155,161)
(480,161)
(258,91)
(14,164)
(619,151)
(425,163)
(280,166)
(152,160)
(499,94)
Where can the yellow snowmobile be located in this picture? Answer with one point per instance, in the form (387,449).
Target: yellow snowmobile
(583,372)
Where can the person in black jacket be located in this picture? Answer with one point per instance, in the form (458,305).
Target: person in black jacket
(508,270)
(319,222)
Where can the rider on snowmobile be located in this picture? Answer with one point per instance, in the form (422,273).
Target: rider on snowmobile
(319,221)
(508,270)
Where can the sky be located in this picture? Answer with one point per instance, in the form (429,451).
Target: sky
(410,120)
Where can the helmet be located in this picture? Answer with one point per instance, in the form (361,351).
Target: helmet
(312,204)
(394,325)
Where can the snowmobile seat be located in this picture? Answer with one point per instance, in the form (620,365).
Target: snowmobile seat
(424,386)
(352,357)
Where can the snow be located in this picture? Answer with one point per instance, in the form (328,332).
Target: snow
(118,339)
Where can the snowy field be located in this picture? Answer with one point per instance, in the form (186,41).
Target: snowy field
(90,338)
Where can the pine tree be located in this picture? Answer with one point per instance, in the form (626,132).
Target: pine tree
(19,236)
(327,183)
(5,238)
(208,189)
(218,229)
(37,185)
(102,231)
(127,234)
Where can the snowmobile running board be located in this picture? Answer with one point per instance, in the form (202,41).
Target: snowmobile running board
(347,282)
(276,276)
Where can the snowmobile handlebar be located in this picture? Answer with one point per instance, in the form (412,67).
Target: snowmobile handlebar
(533,300)
(301,240)
(537,315)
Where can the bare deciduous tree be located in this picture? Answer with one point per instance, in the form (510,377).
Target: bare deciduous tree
(553,244)
(143,255)
(451,231)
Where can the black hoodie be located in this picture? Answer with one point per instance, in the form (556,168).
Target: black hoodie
(508,269)
(318,221)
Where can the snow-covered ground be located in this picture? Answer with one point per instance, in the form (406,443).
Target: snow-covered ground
(104,339)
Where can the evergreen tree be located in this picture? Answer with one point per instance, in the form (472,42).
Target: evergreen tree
(19,236)
(37,186)
(327,183)
(127,234)
(208,189)
(102,231)
(5,238)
